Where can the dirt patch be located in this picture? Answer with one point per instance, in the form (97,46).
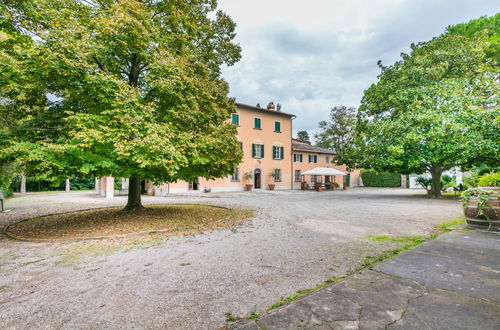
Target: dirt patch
(115,221)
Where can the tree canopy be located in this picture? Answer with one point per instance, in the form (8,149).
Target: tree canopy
(303,136)
(338,132)
(488,25)
(129,88)
(435,109)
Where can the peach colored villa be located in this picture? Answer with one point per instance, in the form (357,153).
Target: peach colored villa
(270,156)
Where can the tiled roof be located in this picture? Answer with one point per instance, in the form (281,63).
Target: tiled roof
(274,112)
(308,148)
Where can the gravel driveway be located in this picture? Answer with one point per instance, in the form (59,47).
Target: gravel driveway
(296,241)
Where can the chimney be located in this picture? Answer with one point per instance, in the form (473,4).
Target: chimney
(270,106)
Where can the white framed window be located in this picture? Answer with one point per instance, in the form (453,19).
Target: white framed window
(297,176)
(278,152)
(236,175)
(313,158)
(297,158)
(327,159)
(257,150)
(277,175)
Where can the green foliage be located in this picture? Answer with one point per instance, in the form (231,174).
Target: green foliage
(489,180)
(424,182)
(435,109)
(447,182)
(136,89)
(248,176)
(445,226)
(337,133)
(372,178)
(303,136)
(482,199)
(488,25)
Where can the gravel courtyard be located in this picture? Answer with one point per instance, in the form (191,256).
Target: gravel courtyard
(296,241)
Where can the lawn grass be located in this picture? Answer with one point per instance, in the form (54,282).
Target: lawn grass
(115,221)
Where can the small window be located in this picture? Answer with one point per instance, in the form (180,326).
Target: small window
(327,160)
(235,118)
(277,127)
(257,150)
(278,152)
(313,178)
(297,176)
(257,123)
(277,175)
(313,159)
(236,175)
(297,158)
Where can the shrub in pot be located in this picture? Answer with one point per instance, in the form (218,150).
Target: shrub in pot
(272,175)
(482,205)
(248,176)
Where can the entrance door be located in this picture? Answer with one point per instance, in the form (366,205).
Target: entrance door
(257,179)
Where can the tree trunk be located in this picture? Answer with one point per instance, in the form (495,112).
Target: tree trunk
(436,172)
(22,190)
(67,186)
(134,194)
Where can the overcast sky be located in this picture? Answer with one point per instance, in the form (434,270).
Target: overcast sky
(310,55)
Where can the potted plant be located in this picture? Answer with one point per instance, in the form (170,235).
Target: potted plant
(328,185)
(272,175)
(335,186)
(482,205)
(318,186)
(248,176)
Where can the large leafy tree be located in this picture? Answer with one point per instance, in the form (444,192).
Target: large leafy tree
(337,133)
(490,26)
(129,88)
(435,109)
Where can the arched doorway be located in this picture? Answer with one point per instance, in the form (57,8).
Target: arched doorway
(257,178)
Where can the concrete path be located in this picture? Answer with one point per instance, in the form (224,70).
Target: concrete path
(452,282)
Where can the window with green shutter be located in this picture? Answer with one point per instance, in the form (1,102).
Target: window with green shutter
(257,123)
(235,119)
(277,127)
(278,152)
(257,150)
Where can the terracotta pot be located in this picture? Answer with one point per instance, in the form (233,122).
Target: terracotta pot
(248,187)
(490,220)
(271,186)
(318,187)
(346,187)
(334,187)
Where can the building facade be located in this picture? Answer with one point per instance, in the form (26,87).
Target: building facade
(270,157)
(306,157)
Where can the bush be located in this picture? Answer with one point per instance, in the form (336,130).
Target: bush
(7,192)
(489,180)
(372,178)
(424,182)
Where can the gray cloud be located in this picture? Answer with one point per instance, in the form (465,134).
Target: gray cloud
(310,58)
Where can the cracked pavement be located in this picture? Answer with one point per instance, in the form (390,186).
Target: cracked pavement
(452,282)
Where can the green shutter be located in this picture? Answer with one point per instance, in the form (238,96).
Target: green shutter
(262,146)
(282,152)
(257,123)
(253,150)
(274,152)
(301,158)
(277,126)
(236,119)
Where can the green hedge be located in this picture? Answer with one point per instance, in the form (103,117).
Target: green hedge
(372,178)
